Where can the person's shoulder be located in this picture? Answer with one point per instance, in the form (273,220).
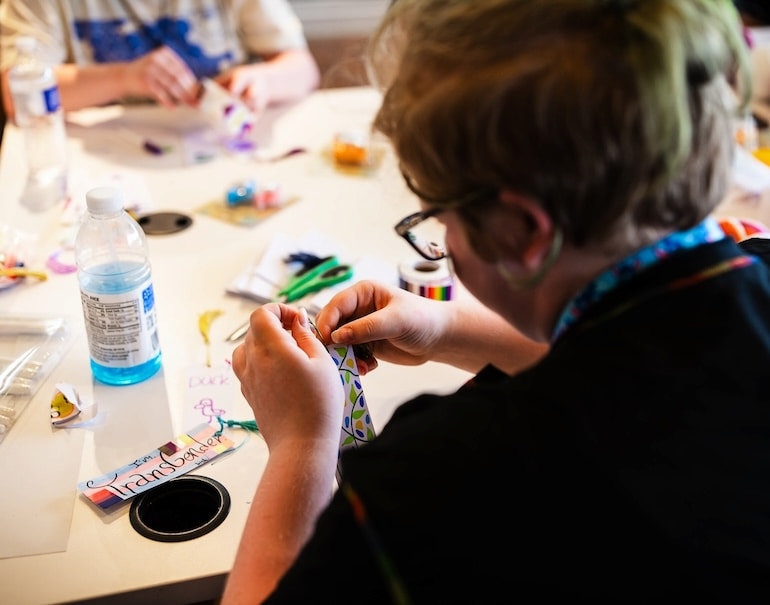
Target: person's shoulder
(757,246)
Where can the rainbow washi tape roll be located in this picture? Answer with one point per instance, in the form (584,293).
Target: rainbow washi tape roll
(431,279)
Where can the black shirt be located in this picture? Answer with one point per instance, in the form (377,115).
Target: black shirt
(632,464)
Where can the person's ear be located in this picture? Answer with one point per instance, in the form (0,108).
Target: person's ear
(528,241)
(527,231)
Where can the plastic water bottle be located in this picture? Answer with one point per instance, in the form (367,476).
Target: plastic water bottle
(116,290)
(38,114)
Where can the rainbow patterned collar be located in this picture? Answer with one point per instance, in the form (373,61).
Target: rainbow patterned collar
(706,232)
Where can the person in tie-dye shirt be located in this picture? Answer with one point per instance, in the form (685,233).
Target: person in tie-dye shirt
(122,50)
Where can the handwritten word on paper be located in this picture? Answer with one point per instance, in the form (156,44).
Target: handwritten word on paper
(209,391)
(187,452)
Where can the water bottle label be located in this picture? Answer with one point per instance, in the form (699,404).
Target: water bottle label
(122,328)
(51,99)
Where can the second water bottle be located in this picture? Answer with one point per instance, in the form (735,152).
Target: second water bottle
(38,114)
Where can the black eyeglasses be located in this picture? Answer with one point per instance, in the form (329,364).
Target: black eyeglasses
(423,234)
(423,231)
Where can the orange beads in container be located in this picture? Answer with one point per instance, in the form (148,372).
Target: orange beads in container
(350,148)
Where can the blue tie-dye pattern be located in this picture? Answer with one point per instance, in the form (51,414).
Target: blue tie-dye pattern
(109,44)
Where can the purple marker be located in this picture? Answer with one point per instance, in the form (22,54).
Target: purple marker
(152,148)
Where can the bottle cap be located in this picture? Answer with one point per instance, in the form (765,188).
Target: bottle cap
(104,200)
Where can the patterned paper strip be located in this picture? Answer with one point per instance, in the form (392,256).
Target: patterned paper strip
(357,426)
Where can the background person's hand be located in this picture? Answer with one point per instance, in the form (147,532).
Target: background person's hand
(288,378)
(163,76)
(248,84)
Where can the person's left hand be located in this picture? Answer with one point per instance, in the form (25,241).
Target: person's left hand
(289,379)
(249,84)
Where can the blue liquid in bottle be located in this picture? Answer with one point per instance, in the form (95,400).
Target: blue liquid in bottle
(127,327)
(116,292)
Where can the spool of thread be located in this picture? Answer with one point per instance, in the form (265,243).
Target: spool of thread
(431,279)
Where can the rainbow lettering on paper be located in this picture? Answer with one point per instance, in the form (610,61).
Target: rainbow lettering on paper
(187,452)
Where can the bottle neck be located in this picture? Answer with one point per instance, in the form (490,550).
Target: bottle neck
(106,214)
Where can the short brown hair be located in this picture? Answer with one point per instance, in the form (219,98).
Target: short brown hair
(614,115)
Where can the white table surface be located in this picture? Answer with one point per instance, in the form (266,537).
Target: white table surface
(105,559)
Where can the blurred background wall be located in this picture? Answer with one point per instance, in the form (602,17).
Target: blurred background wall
(337,31)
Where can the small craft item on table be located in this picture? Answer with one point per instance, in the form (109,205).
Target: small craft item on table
(314,274)
(248,203)
(268,156)
(16,250)
(351,148)
(427,278)
(352,153)
(204,327)
(267,276)
(145,144)
(185,453)
(262,280)
(227,115)
(67,405)
(249,193)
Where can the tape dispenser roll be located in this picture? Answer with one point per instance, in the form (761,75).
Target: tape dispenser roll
(431,279)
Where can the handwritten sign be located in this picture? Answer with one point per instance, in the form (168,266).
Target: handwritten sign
(187,452)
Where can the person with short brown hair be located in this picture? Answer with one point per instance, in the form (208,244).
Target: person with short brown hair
(614,445)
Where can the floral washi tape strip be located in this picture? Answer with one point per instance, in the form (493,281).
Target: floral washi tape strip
(187,452)
(357,426)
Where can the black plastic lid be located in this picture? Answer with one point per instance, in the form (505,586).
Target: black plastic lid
(181,509)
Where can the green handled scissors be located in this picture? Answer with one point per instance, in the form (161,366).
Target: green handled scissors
(322,274)
(328,272)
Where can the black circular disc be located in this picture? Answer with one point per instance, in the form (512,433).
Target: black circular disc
(163,223)
(181,509)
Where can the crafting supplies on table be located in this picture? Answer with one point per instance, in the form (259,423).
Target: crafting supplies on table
(30,347)
(264,280)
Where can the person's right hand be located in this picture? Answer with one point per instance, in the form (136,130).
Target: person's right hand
(163,76)
(398,326)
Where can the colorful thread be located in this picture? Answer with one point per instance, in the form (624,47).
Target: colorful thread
(247,425)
